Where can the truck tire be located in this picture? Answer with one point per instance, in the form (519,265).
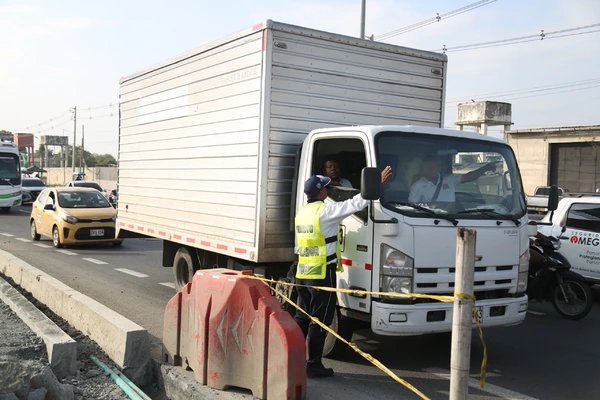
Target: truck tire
(184,267)
(344,327)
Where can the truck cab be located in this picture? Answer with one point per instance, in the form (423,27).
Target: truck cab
(407,246)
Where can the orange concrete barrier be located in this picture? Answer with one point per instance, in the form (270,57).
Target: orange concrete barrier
(231,332)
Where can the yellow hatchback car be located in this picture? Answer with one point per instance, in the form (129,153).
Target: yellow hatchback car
(73,215)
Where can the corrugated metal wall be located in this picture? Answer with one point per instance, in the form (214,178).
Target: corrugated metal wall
(320,83)
(189,142)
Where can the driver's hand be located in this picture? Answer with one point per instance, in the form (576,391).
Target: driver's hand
(385,174)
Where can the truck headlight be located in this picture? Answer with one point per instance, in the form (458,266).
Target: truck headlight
(396,284)
(523,272)
(397,271)
(68,218)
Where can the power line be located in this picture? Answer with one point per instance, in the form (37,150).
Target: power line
(527,90)
(521,39)
(542,94)
(435,19)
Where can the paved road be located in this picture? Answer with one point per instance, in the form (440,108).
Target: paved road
(546,357)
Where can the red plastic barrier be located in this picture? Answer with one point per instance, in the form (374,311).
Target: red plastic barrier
(231,332)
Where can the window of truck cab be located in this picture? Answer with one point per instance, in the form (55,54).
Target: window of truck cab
(350,154)
(493,195)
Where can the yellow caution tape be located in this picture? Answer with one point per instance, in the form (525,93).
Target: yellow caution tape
(367,356)
(465,296)
(444,299)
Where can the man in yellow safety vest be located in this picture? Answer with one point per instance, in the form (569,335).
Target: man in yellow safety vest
(317,227)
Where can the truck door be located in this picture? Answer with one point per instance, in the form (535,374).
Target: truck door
(356,233)
(581,239)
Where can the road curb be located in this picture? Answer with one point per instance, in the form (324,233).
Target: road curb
(61,348)
(125,342)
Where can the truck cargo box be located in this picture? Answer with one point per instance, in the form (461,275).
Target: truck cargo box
(207,140)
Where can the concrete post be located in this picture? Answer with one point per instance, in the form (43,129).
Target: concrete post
(462,320)
(484,128)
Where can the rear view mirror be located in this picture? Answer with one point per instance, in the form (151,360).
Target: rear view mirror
(553,198)
(370,183)
(49,207)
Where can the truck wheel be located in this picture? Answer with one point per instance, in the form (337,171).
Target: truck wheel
(184,267)
(290,292)
(344,327)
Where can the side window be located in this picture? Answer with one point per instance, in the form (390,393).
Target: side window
(584,216)
(51,199)
(43,196)
(342,160)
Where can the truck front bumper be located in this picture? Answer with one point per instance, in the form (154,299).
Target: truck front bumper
(418,319)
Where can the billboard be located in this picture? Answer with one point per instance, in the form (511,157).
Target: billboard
(55,140)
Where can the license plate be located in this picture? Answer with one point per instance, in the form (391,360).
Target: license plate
(96,232)
(479,313)
(541,209)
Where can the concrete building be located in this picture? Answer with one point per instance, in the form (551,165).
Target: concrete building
(567,156)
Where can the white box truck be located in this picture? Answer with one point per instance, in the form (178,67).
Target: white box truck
(215,145)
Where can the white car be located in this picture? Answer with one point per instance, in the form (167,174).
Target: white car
(89,184)
(33,187)
(576,222)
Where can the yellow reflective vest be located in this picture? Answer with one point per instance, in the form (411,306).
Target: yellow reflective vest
(312,245)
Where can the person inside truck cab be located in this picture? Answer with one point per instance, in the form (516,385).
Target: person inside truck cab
(333,170)
(317,226)
(432,186)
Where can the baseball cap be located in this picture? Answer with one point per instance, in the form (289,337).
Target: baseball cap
(315,183)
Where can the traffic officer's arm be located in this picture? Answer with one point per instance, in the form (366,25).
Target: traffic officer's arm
(337,212)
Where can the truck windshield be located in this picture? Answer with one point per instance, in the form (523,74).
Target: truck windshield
(10,169)
(450,177)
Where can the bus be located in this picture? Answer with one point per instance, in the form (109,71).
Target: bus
(10,176)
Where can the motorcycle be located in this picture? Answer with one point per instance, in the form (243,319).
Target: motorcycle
(550,278)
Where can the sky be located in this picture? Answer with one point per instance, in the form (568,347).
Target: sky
(63,54)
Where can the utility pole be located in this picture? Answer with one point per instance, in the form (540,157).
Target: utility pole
(363,11)
(74,134)
(82,142)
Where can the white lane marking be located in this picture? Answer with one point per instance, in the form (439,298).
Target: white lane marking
(93,260)
(535,312)
(8,234)
(168,284)
(130,272)
(43,246)
(489,388)
(24,240)
(24,211)
(67,252)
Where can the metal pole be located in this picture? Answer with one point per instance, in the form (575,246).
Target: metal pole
(363,12)
(82,142)
(74,135)
(462,324)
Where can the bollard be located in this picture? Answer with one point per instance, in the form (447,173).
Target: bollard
(462,324)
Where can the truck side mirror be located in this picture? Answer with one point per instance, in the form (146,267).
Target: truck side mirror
(532,228)
(553,198)
(370,183)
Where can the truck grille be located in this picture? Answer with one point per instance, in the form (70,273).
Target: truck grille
(441,280)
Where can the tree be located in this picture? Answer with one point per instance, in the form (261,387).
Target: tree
(105,159)
(6,135)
